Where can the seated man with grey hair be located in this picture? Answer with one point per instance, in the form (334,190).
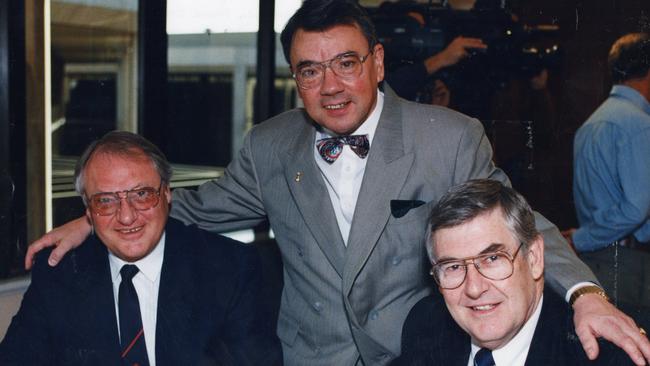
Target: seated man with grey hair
(144,289)
(488,263)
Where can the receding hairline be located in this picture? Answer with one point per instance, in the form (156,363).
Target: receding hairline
(132,154)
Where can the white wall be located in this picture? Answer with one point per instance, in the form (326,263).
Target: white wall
(11,293)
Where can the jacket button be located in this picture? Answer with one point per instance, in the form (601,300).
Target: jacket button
(397,260)
(374,315)
(318,306)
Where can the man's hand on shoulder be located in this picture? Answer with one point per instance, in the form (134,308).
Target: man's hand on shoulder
(594,317)
(64,238)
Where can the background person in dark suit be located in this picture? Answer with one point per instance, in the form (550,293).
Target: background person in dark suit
(346,183)
(196,300)
(488,262)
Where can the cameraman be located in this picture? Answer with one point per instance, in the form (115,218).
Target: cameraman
(408,79)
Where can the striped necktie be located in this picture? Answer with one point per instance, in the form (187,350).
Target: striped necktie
(133,348)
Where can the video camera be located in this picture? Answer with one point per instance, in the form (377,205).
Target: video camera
(514,49)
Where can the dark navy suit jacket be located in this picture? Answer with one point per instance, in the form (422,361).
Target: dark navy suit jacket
(432,337)
(208,308)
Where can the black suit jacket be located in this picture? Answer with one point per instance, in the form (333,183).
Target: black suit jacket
(208,312)
(432,337)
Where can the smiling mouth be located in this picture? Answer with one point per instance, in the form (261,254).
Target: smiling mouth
(336,106)
(130,231)
(484,307)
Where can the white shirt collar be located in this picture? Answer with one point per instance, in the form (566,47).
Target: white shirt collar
(150,266)
(514,352)
(368,127)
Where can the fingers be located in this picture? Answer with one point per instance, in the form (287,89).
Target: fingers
(65,238)
(467,42)
(59,252)
(638,343)
(459,47)
(629,339)
(45,241)
(473,43)
(589,342)
(598,318)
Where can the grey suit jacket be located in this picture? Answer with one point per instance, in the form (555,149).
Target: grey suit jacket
(344,305)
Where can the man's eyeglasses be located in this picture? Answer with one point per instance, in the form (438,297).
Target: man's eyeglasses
(347,66)
(450,274)
(107,203)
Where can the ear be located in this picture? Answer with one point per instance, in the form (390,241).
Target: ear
(535,257)
(167,194)
(89,217)
(378,56)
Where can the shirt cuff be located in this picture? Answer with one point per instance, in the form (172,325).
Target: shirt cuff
(577,286)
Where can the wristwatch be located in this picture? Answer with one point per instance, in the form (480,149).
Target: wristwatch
(591,289)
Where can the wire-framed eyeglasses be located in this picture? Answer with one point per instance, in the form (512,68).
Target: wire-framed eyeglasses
(347,66)
(108,203)
(450,274)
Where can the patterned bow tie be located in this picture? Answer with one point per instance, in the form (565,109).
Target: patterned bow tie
(330,148)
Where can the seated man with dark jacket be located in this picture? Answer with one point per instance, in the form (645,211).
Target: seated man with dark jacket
(488,262)
(145,289)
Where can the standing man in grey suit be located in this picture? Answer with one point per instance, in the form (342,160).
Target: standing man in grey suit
(350,221)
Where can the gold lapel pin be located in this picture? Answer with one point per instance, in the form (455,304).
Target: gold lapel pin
(298,176)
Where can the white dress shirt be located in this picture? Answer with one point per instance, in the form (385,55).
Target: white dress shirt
(146,283)
(344,176)
(515,352)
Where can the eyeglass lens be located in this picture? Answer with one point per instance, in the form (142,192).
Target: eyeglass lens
(108,203)
(494,266)
(345,66)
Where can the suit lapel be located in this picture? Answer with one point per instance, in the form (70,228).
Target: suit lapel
(385,174)
(96,306)
(552,339)
(310,194)
(173,324)
(453,345)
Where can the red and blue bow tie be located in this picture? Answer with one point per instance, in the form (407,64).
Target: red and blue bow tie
(330,148)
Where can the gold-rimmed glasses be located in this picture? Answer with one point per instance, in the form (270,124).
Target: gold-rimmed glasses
(498,265)
(347,66)
(107,203)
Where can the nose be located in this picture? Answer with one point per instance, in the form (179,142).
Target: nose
(475,283)
(126,214)
(331,84)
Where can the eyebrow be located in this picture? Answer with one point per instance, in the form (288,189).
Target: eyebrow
(311,62)
(136,187)
(494,247)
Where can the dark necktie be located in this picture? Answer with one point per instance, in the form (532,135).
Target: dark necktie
(330,148)
(134,349)
(483,358)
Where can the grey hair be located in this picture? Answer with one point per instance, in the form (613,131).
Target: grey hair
(469,200)
(121,143)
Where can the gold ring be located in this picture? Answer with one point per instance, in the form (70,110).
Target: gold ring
(642,331)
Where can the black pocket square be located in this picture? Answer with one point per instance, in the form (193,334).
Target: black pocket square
(399,208)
